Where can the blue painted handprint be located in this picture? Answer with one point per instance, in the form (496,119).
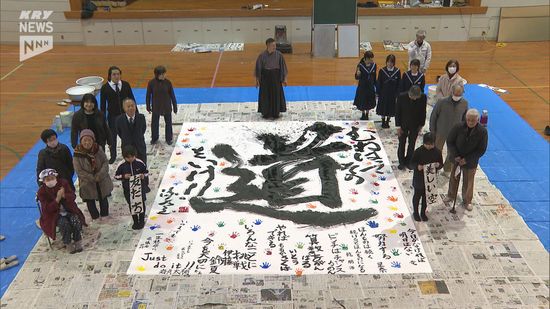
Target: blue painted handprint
(258,222)
(373,224)
(395,264)
(265,265)
(195,228)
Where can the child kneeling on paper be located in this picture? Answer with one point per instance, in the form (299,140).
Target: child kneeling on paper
(423,155)
(131,166)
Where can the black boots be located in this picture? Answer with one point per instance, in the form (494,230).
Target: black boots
(422,216)
(139,221)
(385,122)
(135,226)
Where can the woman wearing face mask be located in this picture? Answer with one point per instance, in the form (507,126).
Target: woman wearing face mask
(387,89)
(89,117)
(59,209)
(56,156)
(448,80)
(92,168)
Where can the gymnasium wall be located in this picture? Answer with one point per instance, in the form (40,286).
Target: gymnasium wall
(248,30)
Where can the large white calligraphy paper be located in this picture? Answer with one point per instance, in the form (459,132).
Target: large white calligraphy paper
(430,183)
(279,198)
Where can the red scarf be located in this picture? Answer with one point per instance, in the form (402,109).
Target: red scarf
(89,154)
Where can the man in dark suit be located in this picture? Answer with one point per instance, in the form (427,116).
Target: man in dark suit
(113,92)
(130,127)
(410,115)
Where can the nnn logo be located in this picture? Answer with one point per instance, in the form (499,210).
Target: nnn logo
(34,22)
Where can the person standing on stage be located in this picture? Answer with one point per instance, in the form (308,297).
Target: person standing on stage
(113,92)
(271,75)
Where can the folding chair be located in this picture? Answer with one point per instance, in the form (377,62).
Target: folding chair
(40,211)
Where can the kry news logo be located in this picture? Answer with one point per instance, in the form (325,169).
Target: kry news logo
(34,22)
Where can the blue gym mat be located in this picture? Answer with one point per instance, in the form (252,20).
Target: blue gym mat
(517,162)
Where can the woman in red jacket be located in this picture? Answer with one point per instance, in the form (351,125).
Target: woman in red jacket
(57,200)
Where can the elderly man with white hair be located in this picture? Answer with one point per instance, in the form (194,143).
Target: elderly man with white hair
(447,112)
(421,50)
(467,142)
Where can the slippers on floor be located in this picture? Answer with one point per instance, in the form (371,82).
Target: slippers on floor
(8,259)
(6,265)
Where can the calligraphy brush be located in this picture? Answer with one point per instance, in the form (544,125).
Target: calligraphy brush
(453,210)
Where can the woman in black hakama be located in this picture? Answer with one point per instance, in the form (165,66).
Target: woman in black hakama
(365,95)
(271,73)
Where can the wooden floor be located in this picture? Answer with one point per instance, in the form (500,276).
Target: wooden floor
(29,91)
(213,4)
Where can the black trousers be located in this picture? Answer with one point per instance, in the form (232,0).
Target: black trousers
(112,125)
(138,219)
(419,194)
(155,127)
(103,205)
(410,135)
(70,228)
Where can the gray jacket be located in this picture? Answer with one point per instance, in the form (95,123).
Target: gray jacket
(446,114)
(86,176)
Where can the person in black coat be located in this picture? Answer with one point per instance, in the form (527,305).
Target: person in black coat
(425,154)
(387,89)
(413,77)
(130,127)
(467,143)
(410,115)
(112,94)
(160,100)
(89,117)
(55,156)
(365,95)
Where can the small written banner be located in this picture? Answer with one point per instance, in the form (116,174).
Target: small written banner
(136,198)
(430,183)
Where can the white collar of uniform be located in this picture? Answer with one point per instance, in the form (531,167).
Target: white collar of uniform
(113,84)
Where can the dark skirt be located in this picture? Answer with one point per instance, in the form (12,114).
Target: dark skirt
(365,95)
(271,99)
(386,100)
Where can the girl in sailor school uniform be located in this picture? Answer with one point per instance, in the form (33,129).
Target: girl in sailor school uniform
(387,90)
(132,166)
(365,95)
(413,77)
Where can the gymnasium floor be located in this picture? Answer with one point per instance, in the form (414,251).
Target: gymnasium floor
(27,107)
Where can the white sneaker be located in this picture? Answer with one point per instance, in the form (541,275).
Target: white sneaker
(447,199)
(468,207)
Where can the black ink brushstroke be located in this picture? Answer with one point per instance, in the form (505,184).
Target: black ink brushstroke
(308,217)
